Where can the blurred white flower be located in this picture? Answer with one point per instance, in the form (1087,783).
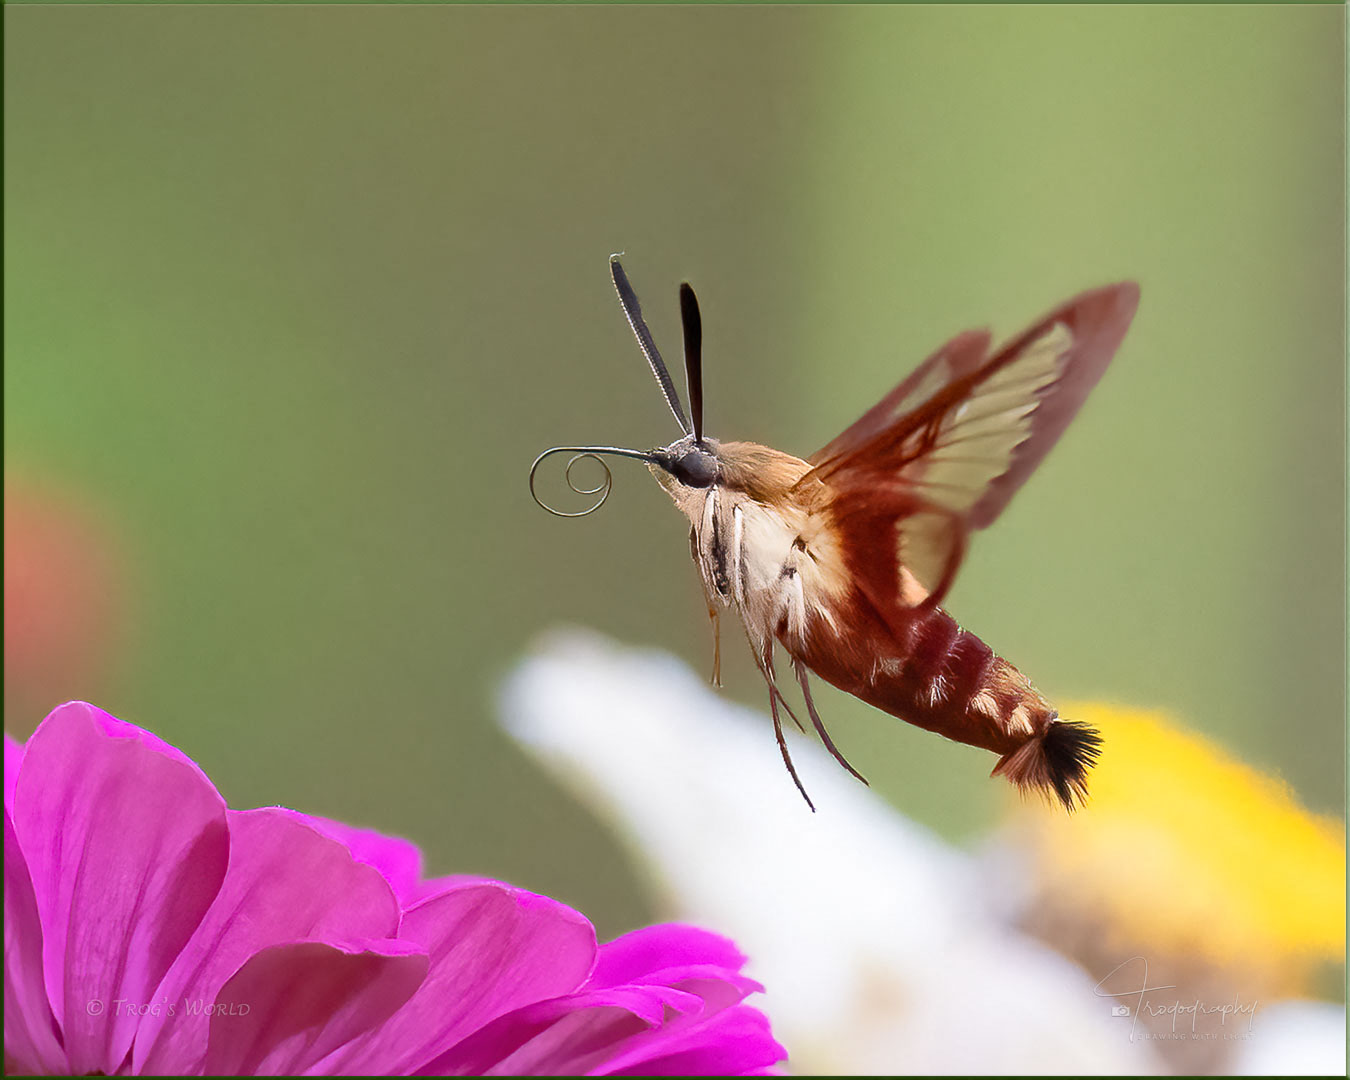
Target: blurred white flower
(877,942)
(1297,1038)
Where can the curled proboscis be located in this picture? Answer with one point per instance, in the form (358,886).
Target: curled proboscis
(602,489)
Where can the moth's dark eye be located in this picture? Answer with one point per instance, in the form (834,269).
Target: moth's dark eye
(697,468)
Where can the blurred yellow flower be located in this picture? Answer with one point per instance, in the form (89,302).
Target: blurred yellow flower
(1186,853)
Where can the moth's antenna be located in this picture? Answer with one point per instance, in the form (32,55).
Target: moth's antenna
(579,453)
(633,310)
(693,356)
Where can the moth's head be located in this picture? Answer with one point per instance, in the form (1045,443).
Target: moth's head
(686,463)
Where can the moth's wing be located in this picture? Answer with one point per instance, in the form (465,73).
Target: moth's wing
(908,481)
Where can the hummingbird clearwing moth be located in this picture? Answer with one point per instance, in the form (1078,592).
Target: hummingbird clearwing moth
(843,558)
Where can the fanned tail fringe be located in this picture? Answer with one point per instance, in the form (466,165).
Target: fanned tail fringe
(1055,762)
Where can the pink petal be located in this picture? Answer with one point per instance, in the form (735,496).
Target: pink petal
(286,882)
(13,758)
(435,886)
(635,956)
(574,1045)
(29,1024)
(127,844)
(718,991)
(493,949)
(290,1005)
(397,859)
(565,1036)
(684,957)
(732,1043)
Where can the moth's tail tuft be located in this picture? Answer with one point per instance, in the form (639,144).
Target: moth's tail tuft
(1056,761)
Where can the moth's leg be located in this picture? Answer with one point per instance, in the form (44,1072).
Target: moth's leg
(765,662)
(771,677)
(782,746)
(800,669)
(714,615)
(763,654)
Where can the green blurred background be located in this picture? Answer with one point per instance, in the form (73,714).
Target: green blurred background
(294,296)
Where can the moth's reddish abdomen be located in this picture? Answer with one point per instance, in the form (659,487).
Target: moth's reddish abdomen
(923,668)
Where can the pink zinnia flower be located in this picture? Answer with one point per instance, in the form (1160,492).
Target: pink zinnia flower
(149,929)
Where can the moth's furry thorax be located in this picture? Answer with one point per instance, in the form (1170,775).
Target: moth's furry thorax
(761,472)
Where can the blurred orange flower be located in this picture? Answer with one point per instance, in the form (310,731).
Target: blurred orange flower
(63,600)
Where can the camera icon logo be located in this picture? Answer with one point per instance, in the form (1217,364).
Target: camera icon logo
(1120,1010)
